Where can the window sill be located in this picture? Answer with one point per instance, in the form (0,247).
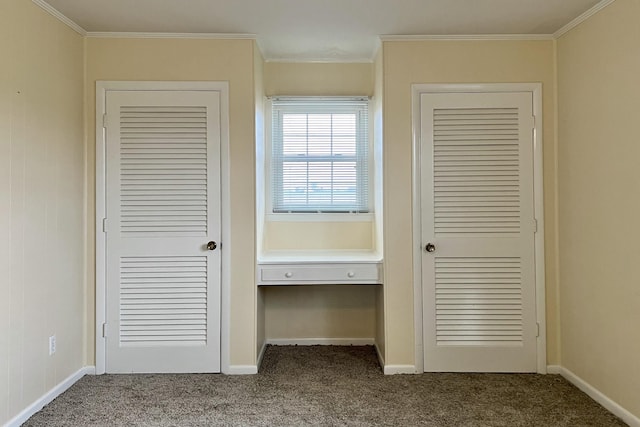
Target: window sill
(321,217)
(319,256)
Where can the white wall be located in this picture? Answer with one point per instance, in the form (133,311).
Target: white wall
(41,204)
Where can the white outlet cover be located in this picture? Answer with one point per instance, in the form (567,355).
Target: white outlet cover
(52,344)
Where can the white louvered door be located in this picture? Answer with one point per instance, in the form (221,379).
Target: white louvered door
(163,207)
(478,212)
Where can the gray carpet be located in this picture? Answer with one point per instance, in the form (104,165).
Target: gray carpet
(328,386)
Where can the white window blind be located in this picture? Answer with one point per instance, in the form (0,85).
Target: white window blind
(320,155)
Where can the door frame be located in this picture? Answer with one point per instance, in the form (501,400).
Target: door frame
(102,88)
(538,189)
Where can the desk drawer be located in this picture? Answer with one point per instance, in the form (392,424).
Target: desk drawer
(359,273)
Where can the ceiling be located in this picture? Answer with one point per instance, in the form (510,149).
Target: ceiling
(324,30)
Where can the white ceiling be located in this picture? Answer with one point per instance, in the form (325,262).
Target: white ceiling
(333,30)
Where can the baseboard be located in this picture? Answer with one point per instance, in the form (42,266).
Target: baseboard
(261,354)
(321,341)
(399,369)
(554,369)
(599,397)
(242,370)
(380,356)
(56,391)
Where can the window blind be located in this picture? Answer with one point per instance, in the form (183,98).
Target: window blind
(320,155)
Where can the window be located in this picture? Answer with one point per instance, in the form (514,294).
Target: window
(320,155)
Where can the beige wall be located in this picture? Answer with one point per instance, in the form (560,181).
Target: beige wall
(41,204)
(599,201)
(191,59)
(451,62)
(318,79)
(45,167)
(281,235)
(325,311)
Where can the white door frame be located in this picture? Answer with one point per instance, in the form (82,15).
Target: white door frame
(102,87)
(536,90)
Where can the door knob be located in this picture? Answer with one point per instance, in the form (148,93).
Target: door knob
(212,245)
(430,247)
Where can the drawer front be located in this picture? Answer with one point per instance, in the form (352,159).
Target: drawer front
(338,273)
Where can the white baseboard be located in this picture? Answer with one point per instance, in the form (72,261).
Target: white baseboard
(49,396)
(380,356)
(399,369)
(242,370)
(554,369)
(600,397)
(320,341)
(261,354)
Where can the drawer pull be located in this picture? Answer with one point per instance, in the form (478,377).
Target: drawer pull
(288,274)
(351,274)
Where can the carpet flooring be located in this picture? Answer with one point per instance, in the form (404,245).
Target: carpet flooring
(323,386)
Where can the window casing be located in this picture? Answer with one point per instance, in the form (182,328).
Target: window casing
(319,156)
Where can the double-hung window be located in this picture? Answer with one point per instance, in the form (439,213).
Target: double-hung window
(319,155)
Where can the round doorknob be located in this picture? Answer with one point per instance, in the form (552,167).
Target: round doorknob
(212,245)
(430,247)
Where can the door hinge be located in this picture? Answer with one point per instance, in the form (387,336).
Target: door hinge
(104,330)
(537,329)
(535,225)
(533,122)
(104,120)
(104,225)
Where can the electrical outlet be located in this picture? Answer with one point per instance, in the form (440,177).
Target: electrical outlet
(52,345)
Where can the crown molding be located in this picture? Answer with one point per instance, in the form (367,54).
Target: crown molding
(443,37)
(580,19)
(453,37)
(137,35)
(58,15)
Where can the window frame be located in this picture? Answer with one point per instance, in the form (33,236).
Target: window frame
(324,216)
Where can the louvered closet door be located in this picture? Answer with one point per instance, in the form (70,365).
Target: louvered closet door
(163,206)
(478,212)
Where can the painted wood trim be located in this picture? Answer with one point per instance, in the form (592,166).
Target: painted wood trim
(468,37)
(320,341)
(242,370)
(581,18)
(391,37)
(418,306)
(536,90)
(380,356)
(153,35)
(399,369)
(60,17)
(298,60)
(261,354)
(48,397)
(225,287)
(554,369)
(539,240)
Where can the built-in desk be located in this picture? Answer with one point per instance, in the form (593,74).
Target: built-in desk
(319,268)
